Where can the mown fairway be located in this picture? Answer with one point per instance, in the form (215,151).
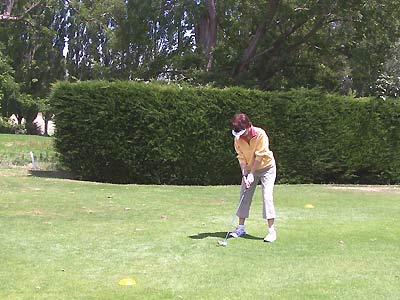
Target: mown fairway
(63,239)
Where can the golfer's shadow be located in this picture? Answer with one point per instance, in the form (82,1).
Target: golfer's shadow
(221,234)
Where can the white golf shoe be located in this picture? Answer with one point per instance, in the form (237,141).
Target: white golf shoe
(270,237)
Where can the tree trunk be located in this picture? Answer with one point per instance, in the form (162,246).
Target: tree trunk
(6,14)
(46,127)
(274,62)
(206,32)
(10,5)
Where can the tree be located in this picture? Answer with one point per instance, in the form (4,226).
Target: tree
(271,43)
(9,89)
(268,44)
(367,40)
(8,6)
(388,81)
(28,109)
(47,113)
(28,28)
(206,32)
(32,45)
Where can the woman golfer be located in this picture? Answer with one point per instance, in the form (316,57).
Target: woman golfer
(257,164)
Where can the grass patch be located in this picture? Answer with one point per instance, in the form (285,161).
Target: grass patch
(15,151)
(65,239)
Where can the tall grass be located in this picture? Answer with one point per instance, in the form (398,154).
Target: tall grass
(15,151)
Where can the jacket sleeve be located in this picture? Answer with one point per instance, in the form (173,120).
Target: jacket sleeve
(262,147)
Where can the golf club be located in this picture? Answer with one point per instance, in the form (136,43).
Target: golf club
(224,243)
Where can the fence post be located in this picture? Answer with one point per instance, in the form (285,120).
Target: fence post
(33,161)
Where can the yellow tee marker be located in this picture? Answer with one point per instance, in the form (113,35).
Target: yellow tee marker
(127,281)
(308,206)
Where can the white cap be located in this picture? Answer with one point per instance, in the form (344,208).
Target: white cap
(238,133)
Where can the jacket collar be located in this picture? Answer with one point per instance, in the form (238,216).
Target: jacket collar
(253,133)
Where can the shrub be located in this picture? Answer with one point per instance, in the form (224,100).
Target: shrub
(147,133)
(7,127)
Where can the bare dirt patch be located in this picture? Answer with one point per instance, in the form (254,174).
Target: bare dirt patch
(367,188)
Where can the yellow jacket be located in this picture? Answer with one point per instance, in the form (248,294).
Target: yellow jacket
(257,149)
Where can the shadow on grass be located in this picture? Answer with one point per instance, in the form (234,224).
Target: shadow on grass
(52,174)
(222,235)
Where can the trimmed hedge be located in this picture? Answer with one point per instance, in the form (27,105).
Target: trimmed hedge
(127,132)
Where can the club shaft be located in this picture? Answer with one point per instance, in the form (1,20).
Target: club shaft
(234,216)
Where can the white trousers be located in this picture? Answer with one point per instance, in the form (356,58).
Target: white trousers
(267,178)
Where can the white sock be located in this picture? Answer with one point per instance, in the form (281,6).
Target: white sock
(241,227)
(271,229)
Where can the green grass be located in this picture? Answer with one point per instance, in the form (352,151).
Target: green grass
(64,239)
(15,151)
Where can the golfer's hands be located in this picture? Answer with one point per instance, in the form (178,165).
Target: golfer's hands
(248,180)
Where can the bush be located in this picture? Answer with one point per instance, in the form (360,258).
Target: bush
(6,127)
(146,133)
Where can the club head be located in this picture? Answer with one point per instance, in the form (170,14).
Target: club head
(222,243)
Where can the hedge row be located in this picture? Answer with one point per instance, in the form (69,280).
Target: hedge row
(126,132)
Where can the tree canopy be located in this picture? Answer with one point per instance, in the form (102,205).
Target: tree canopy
(338,46)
